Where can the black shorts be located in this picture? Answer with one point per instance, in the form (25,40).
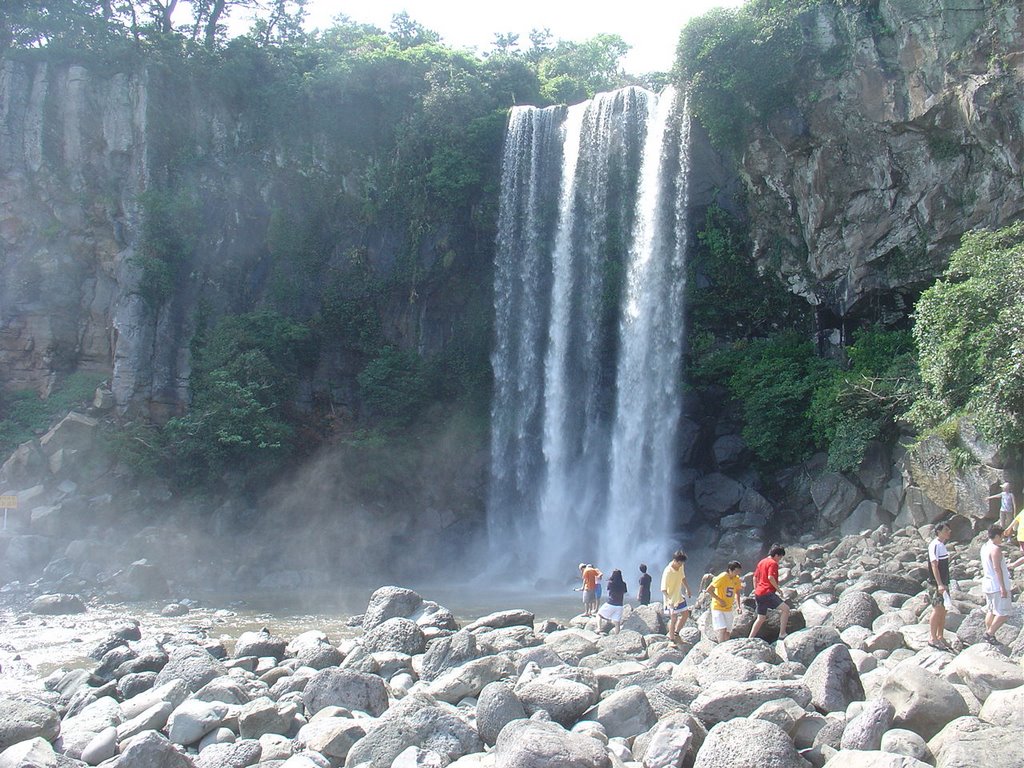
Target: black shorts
(767,602)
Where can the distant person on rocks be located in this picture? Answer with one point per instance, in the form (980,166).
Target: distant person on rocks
(725,591)
(768,593)
(590,576)
(995,583)
(644,596)
(1017,524)
(673,584)
(611,611)
(938,565)
(1007,504)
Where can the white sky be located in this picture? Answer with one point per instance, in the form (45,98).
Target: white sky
(650,26)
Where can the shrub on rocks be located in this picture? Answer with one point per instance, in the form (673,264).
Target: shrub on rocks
(743,743)
(418,720)
(23,718)
(533,744)
(923,701)
(345,688)
(497,706)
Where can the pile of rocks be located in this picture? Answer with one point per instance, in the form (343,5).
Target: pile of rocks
(858,686)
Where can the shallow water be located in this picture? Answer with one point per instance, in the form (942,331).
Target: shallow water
(31,646)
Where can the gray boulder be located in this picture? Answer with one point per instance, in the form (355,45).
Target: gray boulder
(332,737)
(240,754)
(1004,708)
(417,720)
(848,758)
(533,744)
(398,634)
(984,669)
(23,718)
(389,603)
(497,706)
(57,604)
(446,653)
(345,688)
(804,645)
(193,665)
(969,741)
(854,609)
(501,619)
(173,693)
(194,719)
(900,741)
(102,746)
(669,743)
(924,702)
(33,753)
(744,743)
(563,700)
(151,750)
(726,699)
(263,715)
(470,678)
(260,644)
(865,731)
(624,714)
(834,680)
(572,644)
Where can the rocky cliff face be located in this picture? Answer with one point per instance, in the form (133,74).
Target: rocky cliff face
(907,132)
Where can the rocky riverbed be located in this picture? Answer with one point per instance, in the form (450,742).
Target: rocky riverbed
(407,684)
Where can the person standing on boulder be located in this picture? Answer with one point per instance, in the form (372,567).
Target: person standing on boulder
(673,582)
(725,591)
(938,565)
(644,595)
(1007,504)
(995,584)
(590,576)
(611,611)
(767,592)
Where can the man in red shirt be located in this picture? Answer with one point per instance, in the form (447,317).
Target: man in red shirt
(767,592)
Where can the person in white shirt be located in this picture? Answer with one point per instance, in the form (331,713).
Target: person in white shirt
(995,584)
(1007,504)
(938,564)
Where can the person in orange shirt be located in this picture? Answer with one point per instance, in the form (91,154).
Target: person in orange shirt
(590,576)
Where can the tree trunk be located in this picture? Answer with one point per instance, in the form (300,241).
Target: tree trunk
(211,24)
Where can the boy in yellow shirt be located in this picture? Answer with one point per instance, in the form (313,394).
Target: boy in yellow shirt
(725,591)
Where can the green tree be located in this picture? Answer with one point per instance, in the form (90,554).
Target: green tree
(969,329)
(572,72)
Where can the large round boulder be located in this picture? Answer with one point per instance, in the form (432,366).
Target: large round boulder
(389,603)
(398,634)
(497,706)
(470,679)
(191,664)
(834,680)
(854,609)
(865,731)
(23,718)
(345,688)
(563,700)
(727,699)
(533,744)
(416,721)
(923,701)
(743,743)
(804,645)
(625,713)
(448,652)
(261,643)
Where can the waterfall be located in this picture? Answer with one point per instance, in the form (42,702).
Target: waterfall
(588,332)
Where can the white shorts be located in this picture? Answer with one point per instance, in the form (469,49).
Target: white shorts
(997,604)
(612,613)
(722,619)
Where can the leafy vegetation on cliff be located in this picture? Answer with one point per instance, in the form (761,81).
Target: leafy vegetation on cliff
(970,336)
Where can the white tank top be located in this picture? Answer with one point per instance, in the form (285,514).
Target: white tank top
(990,582)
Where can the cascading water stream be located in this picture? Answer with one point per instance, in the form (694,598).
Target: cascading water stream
(586,397)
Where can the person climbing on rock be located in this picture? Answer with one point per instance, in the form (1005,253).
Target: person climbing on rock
(995,583)
(673,583)
(725,591)
(938,567)
(1007,504)
(768,593)
(644,595)
(611,611)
